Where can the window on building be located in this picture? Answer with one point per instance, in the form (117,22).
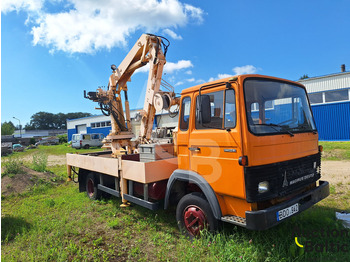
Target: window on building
(103,124)
(268,104)
(316,98)
(93,125)
(108,123)
(98,124)
(337,95)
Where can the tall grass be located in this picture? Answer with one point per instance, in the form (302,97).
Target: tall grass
(39,162)
(13,165)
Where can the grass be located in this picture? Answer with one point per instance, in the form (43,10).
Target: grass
(39,162)
(57,223)
(335,150)
(57,150)
(13,166)
(61,224)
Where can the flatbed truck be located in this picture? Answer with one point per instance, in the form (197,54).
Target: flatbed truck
(245,151)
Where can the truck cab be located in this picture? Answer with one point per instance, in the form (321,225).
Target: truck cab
(253,140)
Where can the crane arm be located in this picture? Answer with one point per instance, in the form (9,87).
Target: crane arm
(147,49)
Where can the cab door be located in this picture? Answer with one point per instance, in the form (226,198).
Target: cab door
(215,146)
(185,121)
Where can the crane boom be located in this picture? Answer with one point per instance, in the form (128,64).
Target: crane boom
(147,49)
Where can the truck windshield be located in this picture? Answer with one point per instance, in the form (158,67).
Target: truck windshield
(277,107)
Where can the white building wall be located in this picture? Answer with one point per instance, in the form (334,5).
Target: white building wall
(164,120)
(326,83)
(86,121)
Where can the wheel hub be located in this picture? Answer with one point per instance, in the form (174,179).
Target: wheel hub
(194,219)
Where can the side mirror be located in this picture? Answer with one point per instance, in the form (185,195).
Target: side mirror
(204,109)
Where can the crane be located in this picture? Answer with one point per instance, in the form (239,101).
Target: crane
(148,49)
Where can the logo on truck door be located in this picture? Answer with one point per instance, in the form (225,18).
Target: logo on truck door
(285,181)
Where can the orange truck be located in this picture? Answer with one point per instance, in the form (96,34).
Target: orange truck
(246,152)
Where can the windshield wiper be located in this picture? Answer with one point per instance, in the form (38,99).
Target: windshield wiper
(275,125)
(304,128)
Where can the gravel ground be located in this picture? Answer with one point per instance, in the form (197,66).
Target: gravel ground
(336,173)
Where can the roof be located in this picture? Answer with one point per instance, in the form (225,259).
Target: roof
(132,111)
(238,78)
(324,76)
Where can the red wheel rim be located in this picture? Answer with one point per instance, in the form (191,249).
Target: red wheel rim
(90,188)
(194,220)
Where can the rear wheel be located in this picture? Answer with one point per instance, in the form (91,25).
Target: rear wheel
(193,214)
(91,187)
(86,146)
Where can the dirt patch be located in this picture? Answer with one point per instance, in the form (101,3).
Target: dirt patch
(24,181)
(56,160)
(52,160)
(337,173)
(334,154)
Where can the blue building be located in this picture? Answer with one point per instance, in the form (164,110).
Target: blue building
(330,103)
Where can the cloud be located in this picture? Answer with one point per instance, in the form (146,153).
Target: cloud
(179,83)
(219,76)
(190,80)
(19,5)
(247,69)
(188,72)
(172,34)
(181,64)
(200,81)
(86,26)
(169,67)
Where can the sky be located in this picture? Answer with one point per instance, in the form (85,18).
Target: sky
(53,50)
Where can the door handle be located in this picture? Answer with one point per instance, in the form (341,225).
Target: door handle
(230,150)
(196,149)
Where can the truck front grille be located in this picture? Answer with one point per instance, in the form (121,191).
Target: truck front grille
(284,177)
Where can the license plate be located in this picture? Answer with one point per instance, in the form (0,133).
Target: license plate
(287,212)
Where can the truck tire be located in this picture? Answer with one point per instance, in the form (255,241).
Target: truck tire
(87,146)
(91,187)
(193,214)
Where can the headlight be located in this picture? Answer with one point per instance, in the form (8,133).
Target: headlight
(263,187)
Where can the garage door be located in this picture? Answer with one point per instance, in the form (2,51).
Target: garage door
(81,129)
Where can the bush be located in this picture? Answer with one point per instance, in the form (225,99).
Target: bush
(13,165)
(63,138)
(32,141)
(39,162)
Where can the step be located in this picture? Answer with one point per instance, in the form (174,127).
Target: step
(240,221)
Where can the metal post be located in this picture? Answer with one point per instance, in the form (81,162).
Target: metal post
(145,192)
(20,127)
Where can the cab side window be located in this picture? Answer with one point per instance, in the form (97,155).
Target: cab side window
(230,109)
(216,111)
(222,110)
(185,113)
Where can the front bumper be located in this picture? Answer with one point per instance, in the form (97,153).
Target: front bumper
(264,219)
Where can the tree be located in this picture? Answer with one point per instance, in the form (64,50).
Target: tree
(7,128)
(304,77)
(45,120)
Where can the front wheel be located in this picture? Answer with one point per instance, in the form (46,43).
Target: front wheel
(91,187)
(193,214)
